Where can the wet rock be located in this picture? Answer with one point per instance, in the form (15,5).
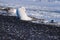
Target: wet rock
(12,28)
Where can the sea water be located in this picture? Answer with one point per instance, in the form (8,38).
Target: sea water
(45,14)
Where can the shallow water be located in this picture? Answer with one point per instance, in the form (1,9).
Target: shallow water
(46,14)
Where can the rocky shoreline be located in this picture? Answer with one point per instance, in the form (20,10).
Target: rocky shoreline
(11,28)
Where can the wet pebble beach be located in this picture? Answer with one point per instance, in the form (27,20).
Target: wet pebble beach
(11,28)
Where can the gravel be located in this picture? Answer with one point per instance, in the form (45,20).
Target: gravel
(11,28)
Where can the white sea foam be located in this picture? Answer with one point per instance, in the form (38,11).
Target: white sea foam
(23,14)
